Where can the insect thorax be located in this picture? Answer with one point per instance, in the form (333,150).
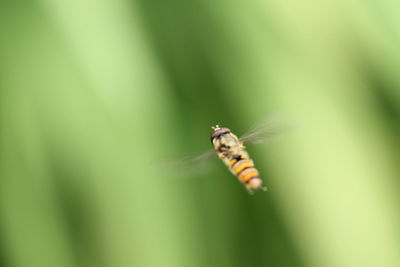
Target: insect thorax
(227,144)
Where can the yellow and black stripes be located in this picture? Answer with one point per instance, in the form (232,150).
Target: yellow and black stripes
(244,169)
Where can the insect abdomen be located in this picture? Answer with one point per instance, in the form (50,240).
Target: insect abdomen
(246,172)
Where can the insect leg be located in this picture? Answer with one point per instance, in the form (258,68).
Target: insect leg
(264,188)
(249,191)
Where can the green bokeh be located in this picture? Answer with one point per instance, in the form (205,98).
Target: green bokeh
(96,97)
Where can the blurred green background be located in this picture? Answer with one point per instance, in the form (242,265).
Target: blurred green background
(94,94)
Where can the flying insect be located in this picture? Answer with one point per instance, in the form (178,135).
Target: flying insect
(231,150)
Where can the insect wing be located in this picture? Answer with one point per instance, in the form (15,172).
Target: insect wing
(198,160)
(263,131)
(187,166)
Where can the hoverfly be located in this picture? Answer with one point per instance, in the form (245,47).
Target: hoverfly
(231,150)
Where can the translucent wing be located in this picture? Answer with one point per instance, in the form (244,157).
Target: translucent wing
(263,131)
(186,166)
(197,160)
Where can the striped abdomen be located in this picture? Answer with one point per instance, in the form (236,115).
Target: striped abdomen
(244,169)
